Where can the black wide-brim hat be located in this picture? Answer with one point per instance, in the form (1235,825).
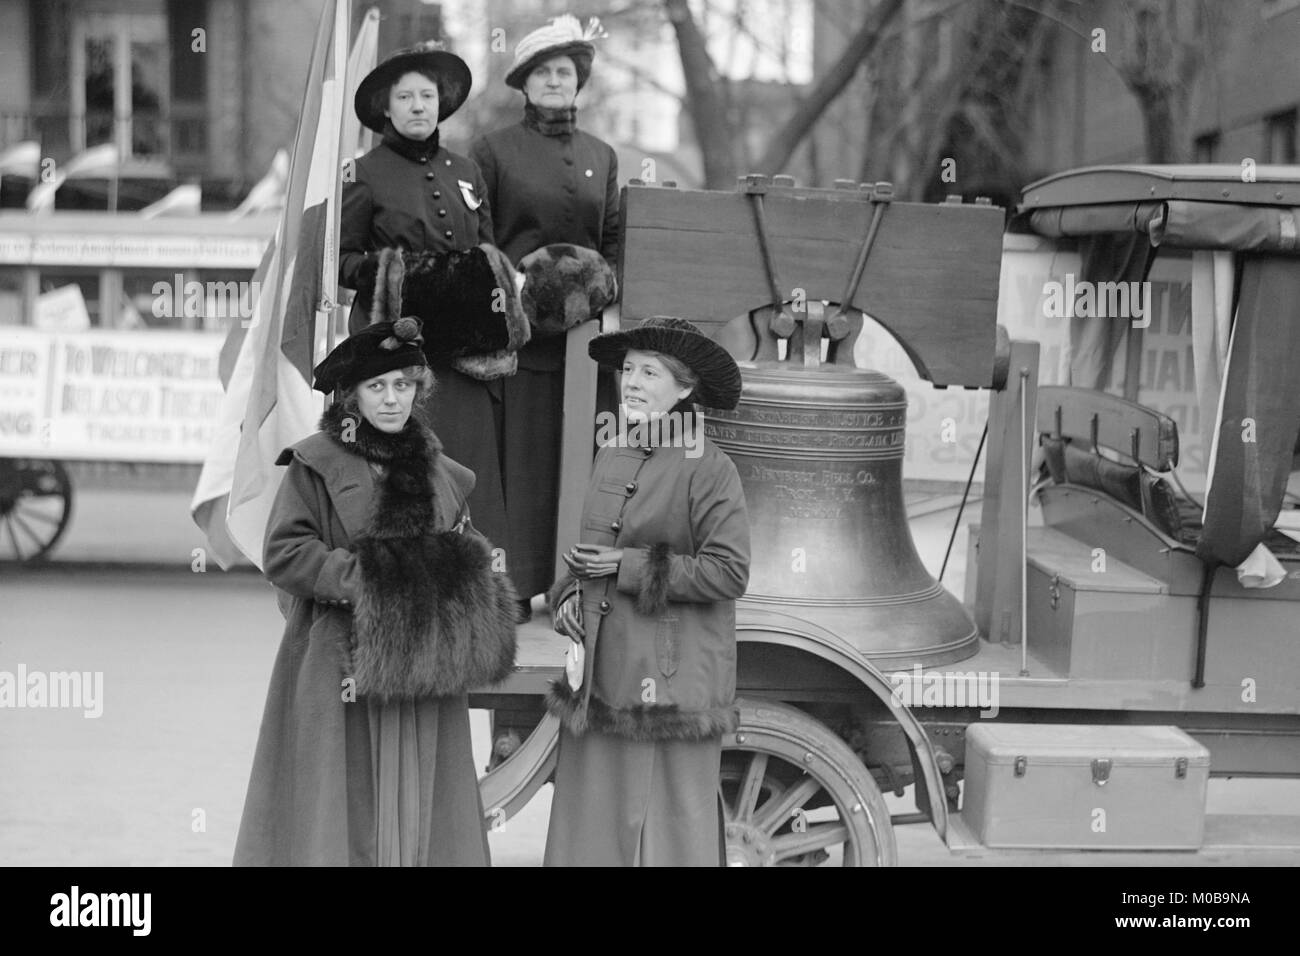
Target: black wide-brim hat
(426,58)
(371,351)
(718,373)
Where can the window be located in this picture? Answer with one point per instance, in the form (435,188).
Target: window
(119,72)
(1279,138)
(1206,147)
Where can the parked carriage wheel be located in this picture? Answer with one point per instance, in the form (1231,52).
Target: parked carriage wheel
(795,794)
(35,507)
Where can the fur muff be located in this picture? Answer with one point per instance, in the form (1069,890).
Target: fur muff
(652,590)
(466,300)
(581,713)
(433,618)
(565,285)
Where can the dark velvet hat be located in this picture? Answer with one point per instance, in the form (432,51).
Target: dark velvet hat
(371,351)
(427,58)
(719,375)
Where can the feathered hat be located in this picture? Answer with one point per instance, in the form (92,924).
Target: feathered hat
(563,36)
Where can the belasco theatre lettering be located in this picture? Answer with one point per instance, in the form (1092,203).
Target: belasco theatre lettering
(126,396)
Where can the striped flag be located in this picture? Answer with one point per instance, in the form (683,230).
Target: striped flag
(267,361)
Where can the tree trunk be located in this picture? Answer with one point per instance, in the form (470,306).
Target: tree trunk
(704,99)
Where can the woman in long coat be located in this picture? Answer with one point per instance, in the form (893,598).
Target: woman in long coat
(392,613)
(547,182)
(650,599)
(412,193)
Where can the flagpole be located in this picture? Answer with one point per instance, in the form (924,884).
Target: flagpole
(330,268)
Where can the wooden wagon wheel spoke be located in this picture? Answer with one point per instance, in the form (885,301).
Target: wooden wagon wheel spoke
(818,836)
(777,810)
(787,760)
(36,506)
(41,515)
(750,788)
(27,529)
(13,538)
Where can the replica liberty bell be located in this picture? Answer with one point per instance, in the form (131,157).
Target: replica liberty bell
(817,440)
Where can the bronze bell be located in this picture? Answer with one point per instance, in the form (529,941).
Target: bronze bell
(820,454)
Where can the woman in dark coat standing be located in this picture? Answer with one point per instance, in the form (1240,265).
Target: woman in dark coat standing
(547,182)
(411,193)
(392,613)
(650,600)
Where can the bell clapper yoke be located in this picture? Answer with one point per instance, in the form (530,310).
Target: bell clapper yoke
(819,447)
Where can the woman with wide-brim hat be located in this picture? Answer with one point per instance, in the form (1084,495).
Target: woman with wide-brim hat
(649,603)
(548,183)
(411,193)
(392,613)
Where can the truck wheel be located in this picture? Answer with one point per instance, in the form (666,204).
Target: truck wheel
(35,507)
(795,794)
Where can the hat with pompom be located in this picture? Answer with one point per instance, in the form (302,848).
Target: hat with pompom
(371,351)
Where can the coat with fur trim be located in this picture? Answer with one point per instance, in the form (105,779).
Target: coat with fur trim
(661,635)
(311,793)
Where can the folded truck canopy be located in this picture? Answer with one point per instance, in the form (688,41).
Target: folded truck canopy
(1121,217)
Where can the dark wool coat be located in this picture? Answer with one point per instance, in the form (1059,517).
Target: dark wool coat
(435,201)
(312,795)
(542,190)
(400,202)
(660,636)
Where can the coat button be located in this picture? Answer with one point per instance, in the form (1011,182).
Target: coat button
(428,175)
(589,174)
(604,607)
(449,162)
(436,193)
(442,212)
(447,234)
(616,526)
(424,159)
(630,488)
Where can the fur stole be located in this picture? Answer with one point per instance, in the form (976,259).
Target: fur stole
(433,619)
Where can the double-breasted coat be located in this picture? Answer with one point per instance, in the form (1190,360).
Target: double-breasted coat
(638,770)
(542,189)
(421,196)
(324,756)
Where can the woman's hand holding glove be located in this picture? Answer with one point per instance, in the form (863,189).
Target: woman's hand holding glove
(567,619)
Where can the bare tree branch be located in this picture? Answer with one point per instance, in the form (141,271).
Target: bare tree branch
(832,83)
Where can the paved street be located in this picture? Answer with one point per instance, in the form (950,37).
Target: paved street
(185,659)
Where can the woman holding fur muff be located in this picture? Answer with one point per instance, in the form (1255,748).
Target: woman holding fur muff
(649,605)
(393,612)
(553,189)
(412,199)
